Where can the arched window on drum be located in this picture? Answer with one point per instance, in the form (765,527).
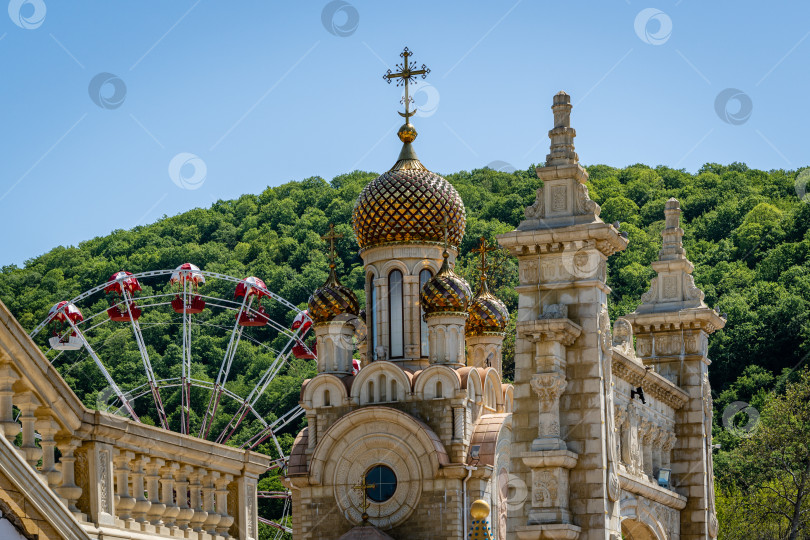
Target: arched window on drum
(371,310)
(395,315)
(424,277)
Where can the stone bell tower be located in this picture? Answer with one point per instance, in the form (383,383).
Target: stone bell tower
(561,408)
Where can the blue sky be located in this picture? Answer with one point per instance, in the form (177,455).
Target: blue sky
(235,96)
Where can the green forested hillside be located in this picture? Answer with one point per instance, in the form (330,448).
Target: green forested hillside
(746,231)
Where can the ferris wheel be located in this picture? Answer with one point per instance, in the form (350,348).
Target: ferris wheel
(243,314)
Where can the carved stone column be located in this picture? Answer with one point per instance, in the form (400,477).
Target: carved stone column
(312,431)
(459,417)
(657,441)
(9,427)
(28,403)
(123,500)
(623,433)
(647,433)
(47,428)
(666,450)
(156,507)
(200,515)
(142,504)
(550,338)
(225,520)
(186,512)
(208,502)
(68,491)
(548,387)
(550,460)
(169,472)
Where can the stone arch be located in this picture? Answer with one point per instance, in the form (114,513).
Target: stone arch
(313,394)
(471,380)
(377,436)
(392,265)
(493,395)
(373,372)
(425,264)
(639,522)
(508,397)
(424,385)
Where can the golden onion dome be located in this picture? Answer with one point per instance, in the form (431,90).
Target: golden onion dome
(445,292)
(486,313)
(408,204)
(332,299)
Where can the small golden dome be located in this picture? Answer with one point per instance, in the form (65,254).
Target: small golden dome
(332,299)
(487,313)
(408,204)
(479,509)
(446,291)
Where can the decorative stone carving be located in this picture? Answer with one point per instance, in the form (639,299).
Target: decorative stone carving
(649,296)
(614,488)
(559,199)
(623,337)
(583,203)
(544,488)
(555,311)
(529,270)
(692,292)
(548,387)
(538,209)
(605,340)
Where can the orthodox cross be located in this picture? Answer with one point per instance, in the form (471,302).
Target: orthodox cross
(331,237)
(362,487)
(407,74)
(483,249)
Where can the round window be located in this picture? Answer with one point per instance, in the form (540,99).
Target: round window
(382,483)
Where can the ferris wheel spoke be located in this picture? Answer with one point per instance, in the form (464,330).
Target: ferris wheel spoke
(147,364)
(270,431)
(185,383)
(258,390)
(224,370)
(126,404)
(275,525)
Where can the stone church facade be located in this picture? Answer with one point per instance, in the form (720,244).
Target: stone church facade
(606,431)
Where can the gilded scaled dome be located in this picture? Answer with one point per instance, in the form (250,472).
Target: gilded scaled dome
(446,291)
(332,299)
(408,204)
(486,313)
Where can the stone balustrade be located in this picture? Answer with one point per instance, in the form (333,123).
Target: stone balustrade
(120,478)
